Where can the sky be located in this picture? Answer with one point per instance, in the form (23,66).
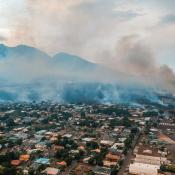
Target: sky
(104,31)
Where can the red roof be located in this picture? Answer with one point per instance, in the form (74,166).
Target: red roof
(15,162)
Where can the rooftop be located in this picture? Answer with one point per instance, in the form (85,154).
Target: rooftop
(43,161)
(51,171)
(148,150)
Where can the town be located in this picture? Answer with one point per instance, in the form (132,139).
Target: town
(77,139)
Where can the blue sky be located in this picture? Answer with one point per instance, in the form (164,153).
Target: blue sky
(92,29)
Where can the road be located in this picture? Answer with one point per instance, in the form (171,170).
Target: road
(125,167)
(126,163)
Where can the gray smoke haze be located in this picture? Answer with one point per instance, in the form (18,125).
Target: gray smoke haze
(134,57)
(87,27)
(98,30)
(74,26)
(28,74)
(132,63)
(82,26)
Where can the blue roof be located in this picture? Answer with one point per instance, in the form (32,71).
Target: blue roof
(43,161)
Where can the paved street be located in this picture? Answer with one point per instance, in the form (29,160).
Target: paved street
(125,167)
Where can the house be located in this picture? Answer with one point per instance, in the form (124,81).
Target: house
(40,146)
(106,143)
(25,172)
(122,139)
(35,166)
(112,157)
(107,163)
(62,164)
(96,150)
(98,170)
(15,162)
(88,139)
(86,160)
(81,148)
(117,145)
(147,161)
(57,147)
(142,168)
(51,171)
(24,157)
(44,161)
(67,136)
(82,169)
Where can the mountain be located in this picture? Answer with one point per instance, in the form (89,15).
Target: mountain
(27,74)
(72,64)
(64,59)
(3,50)
(31,61)
(21,51)
(61,61)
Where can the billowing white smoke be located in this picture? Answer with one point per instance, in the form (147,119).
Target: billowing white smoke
(133,57)
(26,77)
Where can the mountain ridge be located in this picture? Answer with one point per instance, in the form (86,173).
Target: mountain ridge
(26,73)
(22,49)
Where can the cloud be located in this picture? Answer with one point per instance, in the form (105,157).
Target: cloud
(102,8)
(137,60)
(135,56)
(77,26)
(132,54)
(168,19)
(168,76)
(90,28)
(2,38)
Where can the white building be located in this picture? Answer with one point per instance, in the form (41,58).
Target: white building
(143,169)
(146,162)
(150,159)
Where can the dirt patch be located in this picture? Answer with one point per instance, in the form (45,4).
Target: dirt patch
(165,138)
(171,156)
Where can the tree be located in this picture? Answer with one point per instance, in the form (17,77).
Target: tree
(115,122)
(91,161)
(92,145)
(126,122)
(90,173)
(114,171)
(134,130)
(68,160)
(82,114)
(7,170)
(168,168)
(99,160)
(10,122)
